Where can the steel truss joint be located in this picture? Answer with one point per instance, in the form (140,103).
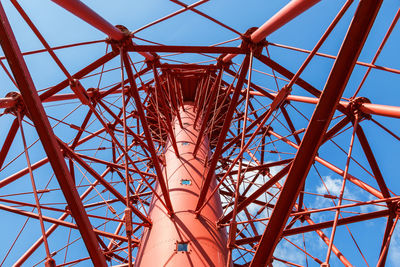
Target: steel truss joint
(354,108)
(251,46)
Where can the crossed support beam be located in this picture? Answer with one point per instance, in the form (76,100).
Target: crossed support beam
(320,121)
(37,114)
(334,87)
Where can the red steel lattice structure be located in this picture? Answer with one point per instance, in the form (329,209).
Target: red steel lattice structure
(195,164)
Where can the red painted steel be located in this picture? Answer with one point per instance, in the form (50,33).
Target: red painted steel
(7,143)
(52,228)
(85,13)
(82,11)
(7,102)
(63,223)
(38,116)
(369,65)
(206,242)
(150,142)
(222,136)
(367,108)
(293,9)
(334,87)
(159,170)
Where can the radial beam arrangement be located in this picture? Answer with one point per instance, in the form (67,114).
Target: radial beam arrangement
(182,136)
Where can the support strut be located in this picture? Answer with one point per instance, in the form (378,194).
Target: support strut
(340,73)
(46,135)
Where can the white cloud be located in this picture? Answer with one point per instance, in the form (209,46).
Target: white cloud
(289,252)
(394,249)
(333,186)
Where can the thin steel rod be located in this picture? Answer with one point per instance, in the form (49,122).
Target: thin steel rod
(339,203)
(378,52)
(62,223)
(233,226)
(35,193)
(334,87)
(223,133)
(207,17)
(170,15)
(47,137)
(321,225)
(150,143)
(382,258)
(378,67)
(320,42)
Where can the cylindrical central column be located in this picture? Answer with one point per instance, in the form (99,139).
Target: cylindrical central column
(184,239)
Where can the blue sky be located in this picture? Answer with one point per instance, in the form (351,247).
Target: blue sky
(60,27)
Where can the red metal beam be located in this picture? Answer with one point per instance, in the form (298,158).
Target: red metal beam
(334,87)
(98,177)
(187,49)
(288,74)
(322,225)
(261,190)
(9,139)
(324,238)
(47,137)
(343,221)
(52,228)
(367,108)
(386,241)
(61,222)
(86,70)
(22,172)
(188,66)
(334,168)
(7,102)
(383,110)
(223,133)
(81,129)
(139,106)
(336,128)
(372,162)
(83,12)
(286,14)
